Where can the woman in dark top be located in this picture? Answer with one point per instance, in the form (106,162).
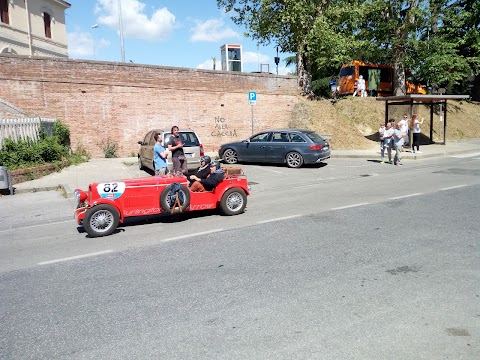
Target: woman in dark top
(204,170)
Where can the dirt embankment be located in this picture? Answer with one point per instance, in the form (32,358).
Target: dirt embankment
(353,122)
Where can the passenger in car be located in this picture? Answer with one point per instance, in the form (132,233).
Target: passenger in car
(211,182)
(203,171)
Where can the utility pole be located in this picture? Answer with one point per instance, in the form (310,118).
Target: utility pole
(121,29)
(93,38)
(29,28)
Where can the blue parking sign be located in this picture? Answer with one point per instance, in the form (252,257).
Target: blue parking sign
(252,97)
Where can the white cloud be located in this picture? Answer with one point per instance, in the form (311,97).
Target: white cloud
(283,70)
(212,30)
(208,65)
(136,23)
(81,44)
(250,57)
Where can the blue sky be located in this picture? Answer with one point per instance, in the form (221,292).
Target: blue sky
(181,33)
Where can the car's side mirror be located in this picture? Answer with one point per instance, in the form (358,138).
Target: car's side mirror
(140,142)
(247,140)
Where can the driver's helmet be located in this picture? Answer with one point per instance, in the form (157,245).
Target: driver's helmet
(216,164)
(206,158)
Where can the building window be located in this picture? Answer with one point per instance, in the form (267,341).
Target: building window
(4,11)
(47,20)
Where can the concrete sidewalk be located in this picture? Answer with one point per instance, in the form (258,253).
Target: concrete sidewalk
(98,170)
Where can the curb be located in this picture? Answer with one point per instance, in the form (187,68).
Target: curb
(408,156)
(34,190)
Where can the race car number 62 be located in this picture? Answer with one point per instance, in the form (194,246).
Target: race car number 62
(111,190)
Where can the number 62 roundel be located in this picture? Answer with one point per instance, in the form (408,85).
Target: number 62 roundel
(112,190)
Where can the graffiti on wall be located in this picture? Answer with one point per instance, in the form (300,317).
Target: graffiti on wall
(221,128)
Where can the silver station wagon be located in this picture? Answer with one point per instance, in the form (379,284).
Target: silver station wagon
(294,147)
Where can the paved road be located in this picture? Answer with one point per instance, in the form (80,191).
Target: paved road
(311,270)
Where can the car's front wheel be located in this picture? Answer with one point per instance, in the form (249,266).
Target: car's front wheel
(233,201)
(294,159)
(230,156)
(140,164)
(101,220)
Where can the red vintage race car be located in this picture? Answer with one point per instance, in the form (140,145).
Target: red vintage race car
(105,205)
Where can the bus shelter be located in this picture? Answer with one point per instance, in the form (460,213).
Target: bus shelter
(431,100)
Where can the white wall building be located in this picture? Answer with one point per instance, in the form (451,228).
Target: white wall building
(33,27)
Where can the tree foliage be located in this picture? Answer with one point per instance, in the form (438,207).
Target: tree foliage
(438,40)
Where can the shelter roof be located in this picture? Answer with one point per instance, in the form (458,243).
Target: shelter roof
(422,98)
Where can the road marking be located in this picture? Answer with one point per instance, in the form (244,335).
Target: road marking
(75,257)
(465,155)
(453,187)
(278,219)
(37,225)
(274,171)
(405,196)
(350,206)
(192,235)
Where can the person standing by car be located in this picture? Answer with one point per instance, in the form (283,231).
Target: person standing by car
(208,184)
(175,145)
(159,156)
(203,171)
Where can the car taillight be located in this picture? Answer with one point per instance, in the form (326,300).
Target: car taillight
(316,147)
(201,150)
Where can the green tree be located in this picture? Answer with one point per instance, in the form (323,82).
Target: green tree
(459,27)
(437,39)
(287,23)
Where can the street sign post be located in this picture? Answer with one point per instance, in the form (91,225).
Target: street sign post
(252,100)
(252,97)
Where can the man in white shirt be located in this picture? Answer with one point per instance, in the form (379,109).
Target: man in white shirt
(360,87)
(387,143)
(404,128)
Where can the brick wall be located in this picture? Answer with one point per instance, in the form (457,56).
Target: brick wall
(121,102)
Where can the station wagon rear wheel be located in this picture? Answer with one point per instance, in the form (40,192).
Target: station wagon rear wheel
(101,220)
(294,159)
(233,201)
(230,156)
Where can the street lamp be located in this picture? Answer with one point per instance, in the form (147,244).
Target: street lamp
(120,25)
(93,39)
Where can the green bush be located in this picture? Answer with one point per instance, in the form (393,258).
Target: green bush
(62,132)
(109,148)
(48,149)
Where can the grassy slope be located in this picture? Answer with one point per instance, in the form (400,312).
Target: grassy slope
(353,122)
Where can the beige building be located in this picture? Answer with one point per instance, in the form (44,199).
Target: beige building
(33,27)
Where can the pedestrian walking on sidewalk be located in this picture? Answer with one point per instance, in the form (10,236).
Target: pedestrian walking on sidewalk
(416,131)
